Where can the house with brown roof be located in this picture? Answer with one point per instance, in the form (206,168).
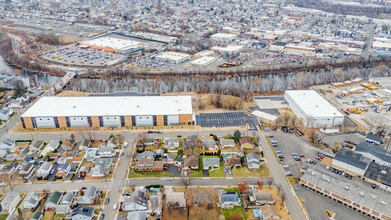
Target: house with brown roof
(77,160)
(245,142)
(269,212)
(233,160)
(54,156)
(26,171)
(149,165)
(191,162)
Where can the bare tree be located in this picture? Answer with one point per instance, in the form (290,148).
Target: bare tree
(270,181)
(142,138)
(186,180)
(282,195)
(278,186)
(9,180)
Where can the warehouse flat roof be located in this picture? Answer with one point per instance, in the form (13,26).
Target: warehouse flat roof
(312,104)
(106,106)
(115,43)
(378,201)
(173,56)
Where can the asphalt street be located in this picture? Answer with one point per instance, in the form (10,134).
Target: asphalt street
(278,174)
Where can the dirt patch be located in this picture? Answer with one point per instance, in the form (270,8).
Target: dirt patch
(70,93)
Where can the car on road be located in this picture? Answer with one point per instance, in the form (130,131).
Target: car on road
(271,136)
(294,154)
(107,200)
(288,173)
(123,153)
(280,156)
(301,155)
(278,152)
(163,179)
(273,141)
(125,144)
(286,166)
(84,187)
(170,179)
(102,217)
(179,136)
(115,206)
(297,158)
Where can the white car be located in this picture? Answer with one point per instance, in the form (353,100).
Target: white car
(286,166)
(169,179)
(3,184)
(115,206)
(163,179)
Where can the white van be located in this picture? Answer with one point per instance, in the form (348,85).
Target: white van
(125,144)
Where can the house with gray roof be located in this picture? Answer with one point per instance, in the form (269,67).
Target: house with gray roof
(44,170)
(89,196)
(137,215)
(32,200)
(67,199)
(83,213)
(252,161)
(172,144)
(62,209)
(229,199)
(53,200)
(36,146)
(106,161)
(99,171)
(227,143)
(374,152)
(10,201)
(209,144)
(7,144)
(349,160)
(136,202)
(146,155)
(262,198)
(211,163)
(106,151)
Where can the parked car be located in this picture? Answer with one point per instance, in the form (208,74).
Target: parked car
(288,173)
(115,206)
(52,172)
(294,154)
(102,217)
(278,152)
(165,168)
(301,155)
(163,179)
(179,136)
(297,158)
(123,153)
(286,166)
(107,200)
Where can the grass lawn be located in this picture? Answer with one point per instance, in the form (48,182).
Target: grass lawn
(217,172)
(59,217)
(293,180)
(248,150)
(133,174)
(3,216)
(43,146)
(49,215)
(195,173)
(245,172)
(236,210)
(151,147)
(232,189)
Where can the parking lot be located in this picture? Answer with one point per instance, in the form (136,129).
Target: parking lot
(74,55)
(228,119)
(290,144)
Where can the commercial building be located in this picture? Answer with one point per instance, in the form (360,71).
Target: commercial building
(230,49)
(350,162)
(300,50)
(174,56)
(112,44)
(373,204)
(312,109)
(203,61)
(109,111)
(223,37)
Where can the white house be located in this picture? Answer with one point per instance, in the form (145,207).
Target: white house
(5,113)
(44,170)
(136,202)
(32,200)
(10,201)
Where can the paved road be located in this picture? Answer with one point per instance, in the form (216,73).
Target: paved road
(279,178)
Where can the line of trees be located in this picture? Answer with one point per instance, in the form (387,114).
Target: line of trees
(244,87)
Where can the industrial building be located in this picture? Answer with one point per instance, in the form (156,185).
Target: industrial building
(373,204)
(351,162)
(312,109)
(174,56)
(203,61)
(109,111)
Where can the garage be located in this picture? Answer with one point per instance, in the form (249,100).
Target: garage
(172,119)
(111,121)
(45,122)
(78,122)
(146,120)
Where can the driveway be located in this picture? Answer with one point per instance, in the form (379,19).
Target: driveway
(205,173)
(52,177)
(173,170)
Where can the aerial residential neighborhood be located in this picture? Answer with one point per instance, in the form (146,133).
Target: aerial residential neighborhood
(195,110)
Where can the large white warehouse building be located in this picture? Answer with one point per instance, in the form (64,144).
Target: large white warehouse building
(312,109)
(109,111)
